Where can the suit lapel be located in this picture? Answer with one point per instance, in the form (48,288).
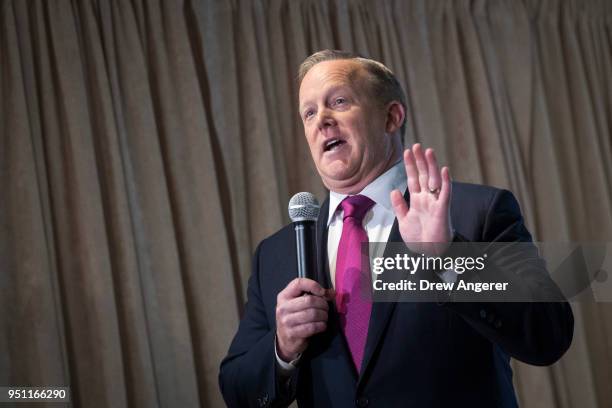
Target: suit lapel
(381,311)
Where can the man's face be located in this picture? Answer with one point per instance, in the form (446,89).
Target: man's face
(344,126)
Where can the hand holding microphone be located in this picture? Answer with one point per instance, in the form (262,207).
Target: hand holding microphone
(301,308)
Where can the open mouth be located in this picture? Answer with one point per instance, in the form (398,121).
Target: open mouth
(333,144)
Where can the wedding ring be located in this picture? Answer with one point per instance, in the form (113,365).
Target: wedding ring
(434,191)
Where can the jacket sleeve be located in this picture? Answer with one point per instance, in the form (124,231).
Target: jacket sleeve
(248,375)
(536,332)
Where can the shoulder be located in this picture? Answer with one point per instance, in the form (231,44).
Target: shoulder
(278,245)
(278,238)
(482,197)
(479,211)
(473,191)
(275,255)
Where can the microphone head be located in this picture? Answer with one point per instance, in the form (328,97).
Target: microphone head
(303,207)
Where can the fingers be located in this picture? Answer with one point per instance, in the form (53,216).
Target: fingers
(309,329)
(302,303)
(421,165)
(411,172)
(446,189)
(400,207)
(433,170)
(422,170)
(298,286)
(303,317)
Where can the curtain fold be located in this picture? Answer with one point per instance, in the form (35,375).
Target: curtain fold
(147,146)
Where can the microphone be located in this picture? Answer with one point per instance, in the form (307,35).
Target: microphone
(304,211)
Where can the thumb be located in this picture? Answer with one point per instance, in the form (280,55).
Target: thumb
(399,204)
(330,294)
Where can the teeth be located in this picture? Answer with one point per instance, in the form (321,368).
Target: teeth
(332,143)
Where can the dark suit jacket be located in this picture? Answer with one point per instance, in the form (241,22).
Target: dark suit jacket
(417,354)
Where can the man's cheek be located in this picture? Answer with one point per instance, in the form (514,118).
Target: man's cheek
(312,146)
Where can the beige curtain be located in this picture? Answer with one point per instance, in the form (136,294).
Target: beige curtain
(146,146)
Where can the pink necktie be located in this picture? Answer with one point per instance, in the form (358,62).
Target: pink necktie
(353,308)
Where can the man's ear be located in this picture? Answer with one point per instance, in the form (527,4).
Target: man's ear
(395,116)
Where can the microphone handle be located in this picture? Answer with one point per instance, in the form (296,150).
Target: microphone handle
(305,239)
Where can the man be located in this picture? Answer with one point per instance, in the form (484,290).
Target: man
(321,343)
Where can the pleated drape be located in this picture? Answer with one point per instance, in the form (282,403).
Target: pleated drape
(147,146)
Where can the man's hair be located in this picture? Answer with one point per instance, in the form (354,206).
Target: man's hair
(383,84)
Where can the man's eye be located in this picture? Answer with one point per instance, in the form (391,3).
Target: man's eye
(308,114)
(339,101)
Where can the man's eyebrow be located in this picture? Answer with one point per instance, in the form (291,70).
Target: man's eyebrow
(303,105)
(327,93)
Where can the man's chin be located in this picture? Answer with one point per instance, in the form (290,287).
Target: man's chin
(340,182)
(338,164)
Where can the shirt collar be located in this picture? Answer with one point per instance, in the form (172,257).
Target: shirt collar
(378,190)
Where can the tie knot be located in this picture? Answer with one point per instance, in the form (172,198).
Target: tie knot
(356,206)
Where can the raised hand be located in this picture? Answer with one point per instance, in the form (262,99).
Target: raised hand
(425,225)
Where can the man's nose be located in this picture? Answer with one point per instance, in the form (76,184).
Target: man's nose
(326,119)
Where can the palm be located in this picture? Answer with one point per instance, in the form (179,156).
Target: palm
(425,225)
